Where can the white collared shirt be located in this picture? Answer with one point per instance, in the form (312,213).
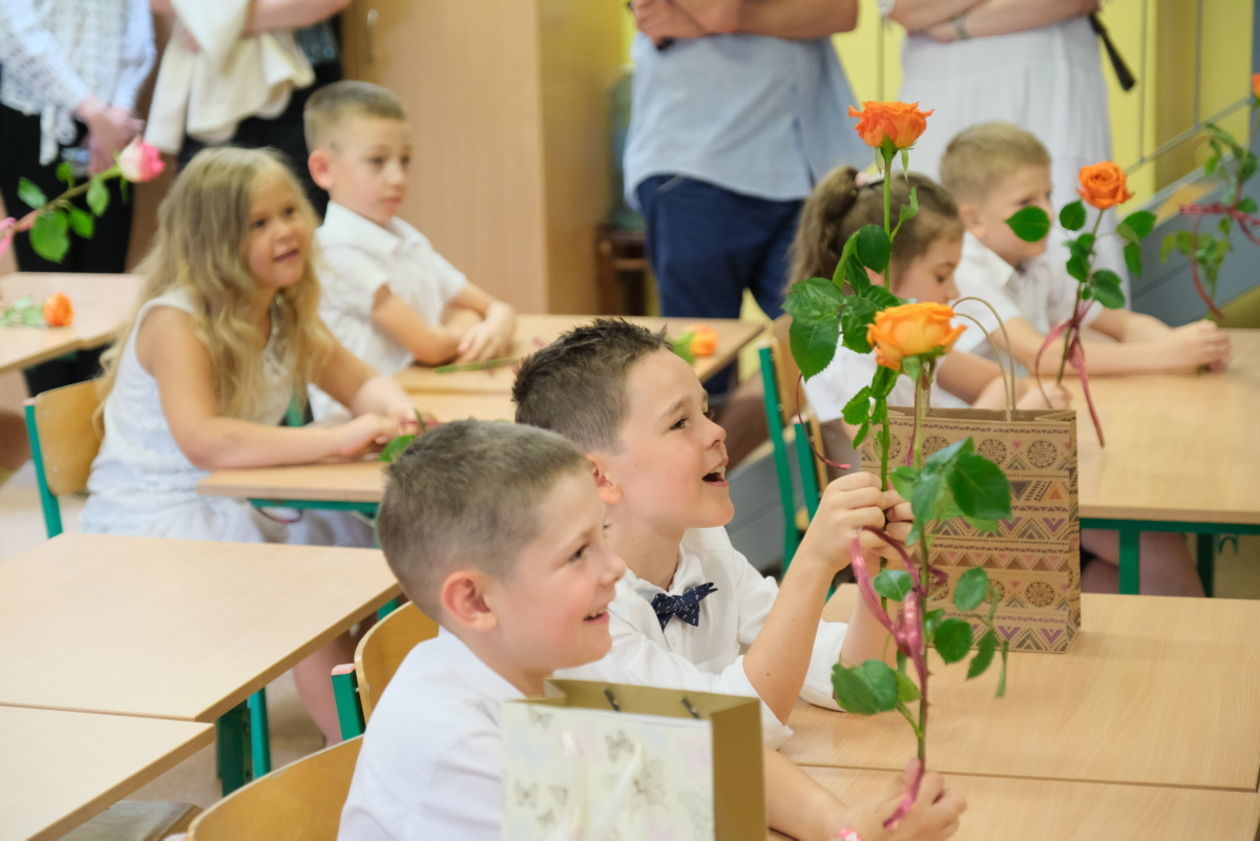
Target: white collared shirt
(431,762)
(1040,292)
(360,257)
(708,657)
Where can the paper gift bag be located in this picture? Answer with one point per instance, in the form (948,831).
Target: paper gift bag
(1035,555)
(622,763)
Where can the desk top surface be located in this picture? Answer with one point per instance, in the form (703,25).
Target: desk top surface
(533,331)
(1154,690)
(61,768)
(101,303)
(1179,446)
(171,628)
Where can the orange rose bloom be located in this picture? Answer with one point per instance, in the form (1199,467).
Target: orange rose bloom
(911,329)
(58,311)
(898,123)
(704,340)
(1103,185)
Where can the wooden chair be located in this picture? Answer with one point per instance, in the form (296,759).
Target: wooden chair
(376,659)
(65,438)
(299,802)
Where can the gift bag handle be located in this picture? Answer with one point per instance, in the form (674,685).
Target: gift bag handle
(1008,370)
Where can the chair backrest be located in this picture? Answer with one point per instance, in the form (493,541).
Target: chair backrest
(299,802)
(384,647)
(64,438)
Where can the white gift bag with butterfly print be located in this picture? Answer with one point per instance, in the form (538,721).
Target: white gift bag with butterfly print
(627,763)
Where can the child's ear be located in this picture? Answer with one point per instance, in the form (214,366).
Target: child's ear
(607,489)
(463,600)
(970,215)
(317,163)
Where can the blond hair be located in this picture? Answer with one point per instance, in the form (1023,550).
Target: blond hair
(330,106)
(202,227)
(838,207)
(981,156)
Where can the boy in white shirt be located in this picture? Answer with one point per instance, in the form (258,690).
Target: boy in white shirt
(691,610)
(388,296)
(496,531)
(993,170)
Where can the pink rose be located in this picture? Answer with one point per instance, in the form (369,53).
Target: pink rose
(140,161)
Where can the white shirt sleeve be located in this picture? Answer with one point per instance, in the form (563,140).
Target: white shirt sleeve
(137,54)
(350,281)
(449,280)
(32,55)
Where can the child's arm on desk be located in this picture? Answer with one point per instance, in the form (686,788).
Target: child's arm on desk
(489,333)
(430,344)
(800,807)
(1179,349)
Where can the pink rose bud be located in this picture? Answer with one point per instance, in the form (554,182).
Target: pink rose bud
(140,161)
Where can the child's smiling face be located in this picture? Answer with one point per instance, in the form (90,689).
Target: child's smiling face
(278,234)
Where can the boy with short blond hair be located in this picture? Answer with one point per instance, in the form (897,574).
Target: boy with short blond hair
(993,170)
(497,532)
(388,296)
(692,611)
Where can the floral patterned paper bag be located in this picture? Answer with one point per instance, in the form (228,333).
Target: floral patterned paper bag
(575,767)
(1035,555)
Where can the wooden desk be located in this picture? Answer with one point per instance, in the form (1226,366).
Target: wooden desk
(1002,809)
(1155,690)
(171,628)
(61,768)
(101,303)
(1181,455)
(535,331)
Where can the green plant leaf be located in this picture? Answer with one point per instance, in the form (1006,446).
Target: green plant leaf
(30,194)
(682,347)
(98,196)
(395,448)
(1140,223)
(903,478)
(1078,268)
(1031,224)
(49,235)
(81,222)
(814,299)
(1001,687)
(858,409)
(1247,204)
(1107,288)
(65,173)
(882,679)
(1072,216)
(1133,258)
(906,689)
(909,210)
(953,640)
(972,587)
(849,269)
(873,248)
(865,689)
(984,654)
(1182,241)
(979,487)
(931,621)
(813,345)
(854,321)
(893,584)
(1081,245)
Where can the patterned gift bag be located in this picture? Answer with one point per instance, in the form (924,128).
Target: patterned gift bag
(624,763)
(1035,556)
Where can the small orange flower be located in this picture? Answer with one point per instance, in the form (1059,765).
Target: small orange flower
(1103,185)
(911,329)
(1255,84)
(897,123)
(704,340)
(58,311)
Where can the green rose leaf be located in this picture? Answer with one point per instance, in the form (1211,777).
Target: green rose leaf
(873,248)
(49,235)
(1139,224)
(979,487)
(1072,216)
(866,689)
(30,194)
(81,222)
(1107,288)
(395,448)
(931,621)
(98,196)
(1247,205)
(972,587)
(1078,268)
(857,411)
(984,654)
(953,640)
(815,299)
(893,584)
(682,347)
(854,321)
(65,173)
(903,478)
(906,689)
(1133,258)
(1031,224)
(813,344)
(1182,241)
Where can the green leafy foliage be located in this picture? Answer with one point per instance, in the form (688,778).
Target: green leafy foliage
(65,173)
(1031,224)
(954,482)
(874,248)
(813,345)
(1137,226)
(866,689)
(971,588)
(81,222)
(1107,289)
(30,194)
(395,448)
(952,640)
(49,235)
(98,196)
(682,347)
(985,650)
(1072,216)
(906,690)
(893,584)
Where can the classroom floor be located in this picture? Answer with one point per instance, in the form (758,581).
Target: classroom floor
(292,733)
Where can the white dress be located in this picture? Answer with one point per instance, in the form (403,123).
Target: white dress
(142,484)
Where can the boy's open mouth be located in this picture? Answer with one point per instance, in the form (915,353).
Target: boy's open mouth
(715,476)
(596,616)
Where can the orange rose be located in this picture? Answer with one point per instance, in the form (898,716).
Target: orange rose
(897,123)
(1103,185)
(58,311)
(1255,84)
(704,340)
(911,329)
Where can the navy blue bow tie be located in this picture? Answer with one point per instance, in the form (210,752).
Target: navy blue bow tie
(686,607)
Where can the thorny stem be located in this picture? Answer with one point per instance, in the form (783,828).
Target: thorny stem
(922,398)
(1077,313)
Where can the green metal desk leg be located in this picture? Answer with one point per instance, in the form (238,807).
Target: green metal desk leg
(349,711)
(259,734)
(1206,555)
(387,608)
(230,750)
(1130,559)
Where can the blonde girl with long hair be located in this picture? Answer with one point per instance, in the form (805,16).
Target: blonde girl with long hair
(226,335)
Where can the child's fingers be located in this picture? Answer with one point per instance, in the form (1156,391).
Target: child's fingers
(854,481)
(900,512)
